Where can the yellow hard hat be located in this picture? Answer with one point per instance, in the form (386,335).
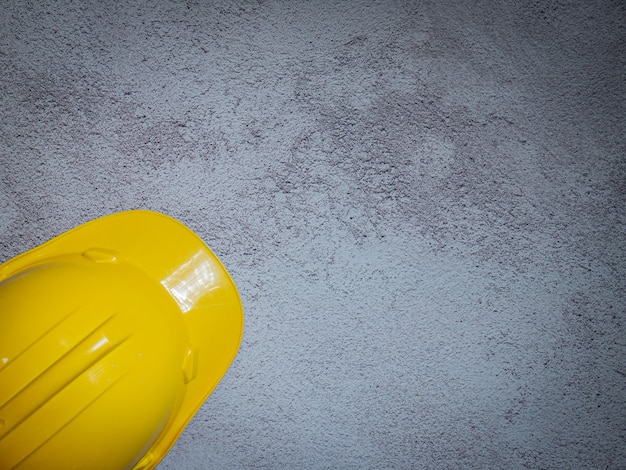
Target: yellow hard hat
(112,335)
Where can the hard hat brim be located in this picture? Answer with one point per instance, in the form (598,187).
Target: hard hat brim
(175,257)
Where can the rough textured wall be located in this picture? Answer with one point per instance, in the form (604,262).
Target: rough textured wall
(422,203)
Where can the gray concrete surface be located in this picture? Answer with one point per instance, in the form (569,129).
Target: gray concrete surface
(422,203)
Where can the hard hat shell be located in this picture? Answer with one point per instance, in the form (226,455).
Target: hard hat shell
(112,335)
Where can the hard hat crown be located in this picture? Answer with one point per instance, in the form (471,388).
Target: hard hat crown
(94,354)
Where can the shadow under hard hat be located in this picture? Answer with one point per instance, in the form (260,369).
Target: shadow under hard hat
(112,336)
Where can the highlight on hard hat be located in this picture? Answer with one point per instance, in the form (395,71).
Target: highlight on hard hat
(112,336)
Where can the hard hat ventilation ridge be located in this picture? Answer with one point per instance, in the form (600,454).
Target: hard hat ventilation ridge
(74,348)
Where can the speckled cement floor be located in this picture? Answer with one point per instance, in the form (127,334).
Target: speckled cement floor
(422,203)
